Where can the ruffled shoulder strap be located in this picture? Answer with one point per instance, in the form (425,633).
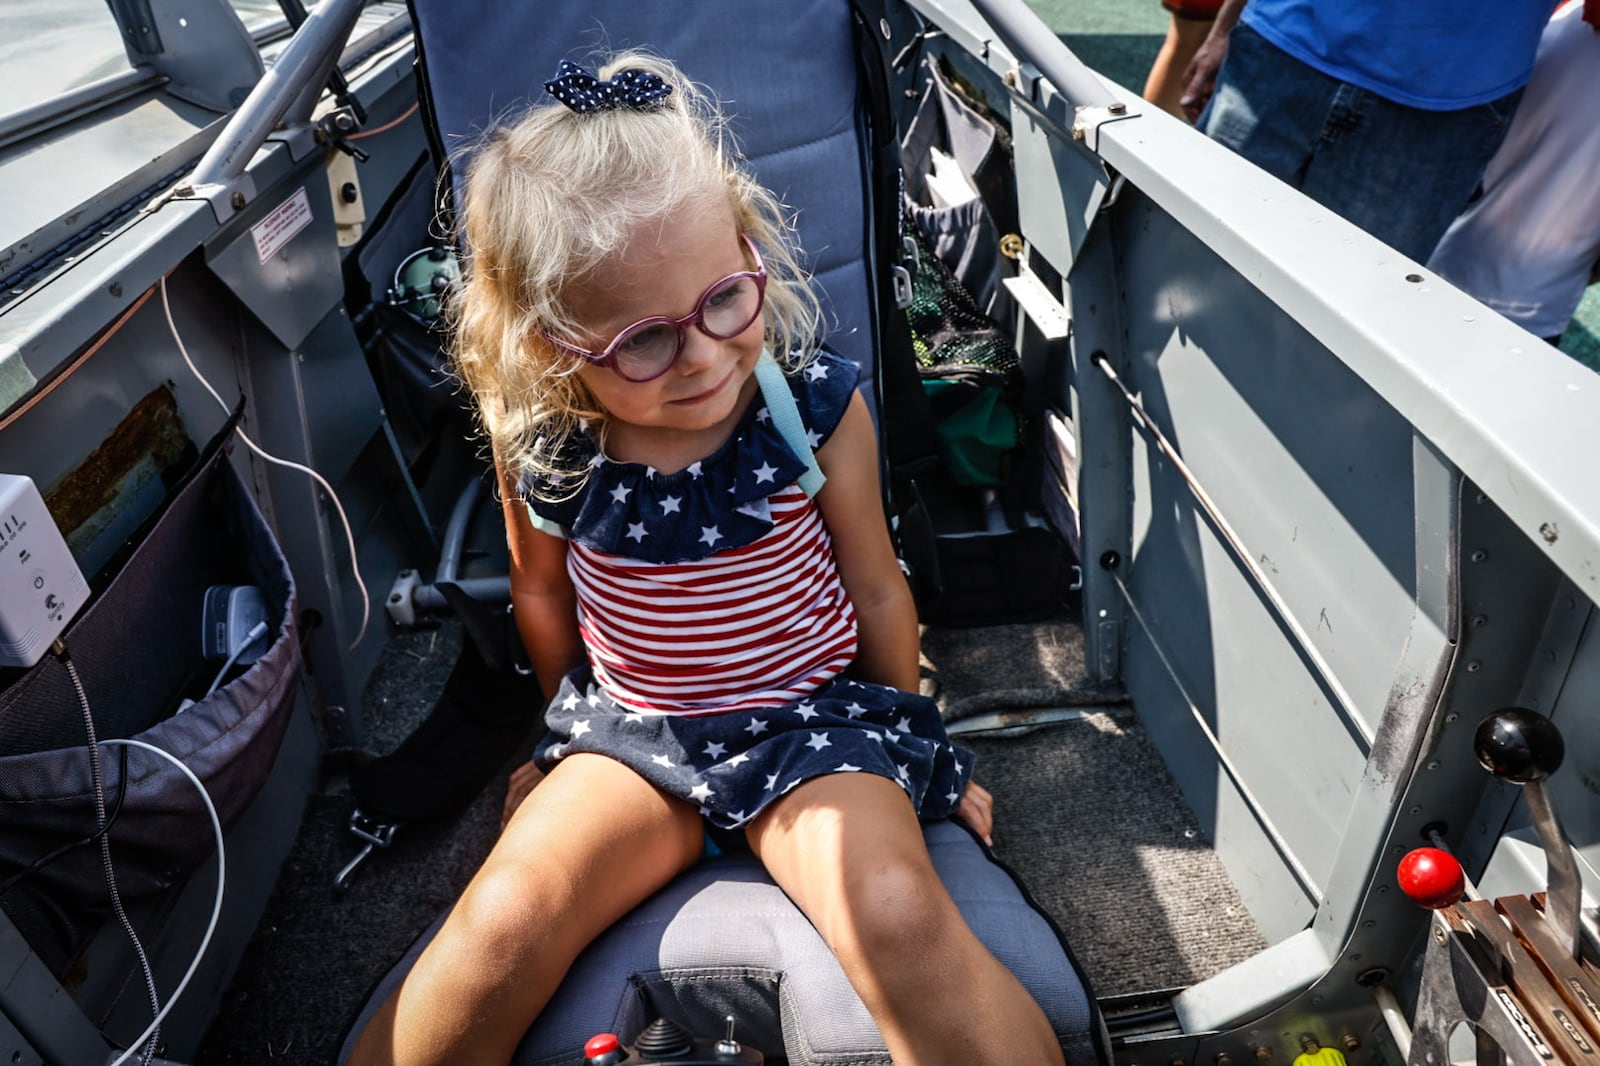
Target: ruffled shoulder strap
(719,503)
(822,390)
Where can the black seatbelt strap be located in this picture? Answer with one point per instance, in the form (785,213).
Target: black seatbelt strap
(910,446)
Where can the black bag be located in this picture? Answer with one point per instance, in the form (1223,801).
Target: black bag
(970,529)
(137,649)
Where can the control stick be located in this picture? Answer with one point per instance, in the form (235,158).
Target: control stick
(666,1043)
(1525,747)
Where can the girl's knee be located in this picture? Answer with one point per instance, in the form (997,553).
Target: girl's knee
(505,915)
(900,908)
(487,912)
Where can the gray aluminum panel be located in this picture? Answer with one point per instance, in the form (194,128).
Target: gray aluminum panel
(1515,415)
(1060,188)
(291,287)
(202,47)
(1244,393)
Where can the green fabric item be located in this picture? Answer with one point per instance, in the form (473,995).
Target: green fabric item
(975,436)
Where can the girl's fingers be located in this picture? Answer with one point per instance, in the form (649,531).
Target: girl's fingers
(977,810)
(523,780)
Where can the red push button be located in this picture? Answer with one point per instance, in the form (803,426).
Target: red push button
(1432,878)
(601,1044)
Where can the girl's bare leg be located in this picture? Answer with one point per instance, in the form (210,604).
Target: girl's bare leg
(586,846)
(523,780)
(848,849)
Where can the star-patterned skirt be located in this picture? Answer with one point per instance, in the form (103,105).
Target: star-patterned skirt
(734,764)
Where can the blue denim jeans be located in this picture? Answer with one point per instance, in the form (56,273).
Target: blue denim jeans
(1400,173)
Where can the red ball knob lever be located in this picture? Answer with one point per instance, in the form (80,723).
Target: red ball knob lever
(603,1049)
(1432,878)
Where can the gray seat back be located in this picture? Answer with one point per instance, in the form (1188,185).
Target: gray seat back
(785,72)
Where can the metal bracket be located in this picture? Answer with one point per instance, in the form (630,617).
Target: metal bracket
(1460,968)
(402,601)
(1086,122)
(900,273)
(374,833)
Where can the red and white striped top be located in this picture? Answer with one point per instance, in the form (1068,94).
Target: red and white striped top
(757,626)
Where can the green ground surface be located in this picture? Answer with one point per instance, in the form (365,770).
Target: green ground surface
(1120,38)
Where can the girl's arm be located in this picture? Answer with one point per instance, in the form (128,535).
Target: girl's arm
(852,507)
(542,597)
(886,616)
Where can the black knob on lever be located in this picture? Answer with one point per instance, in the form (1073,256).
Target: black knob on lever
(1524,747)
(1519,745)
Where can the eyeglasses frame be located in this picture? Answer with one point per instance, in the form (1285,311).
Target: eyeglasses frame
(695,318)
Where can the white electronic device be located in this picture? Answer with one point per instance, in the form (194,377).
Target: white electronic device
(41,587)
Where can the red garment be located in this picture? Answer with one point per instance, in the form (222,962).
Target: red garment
(1591,13)
(1201,10)
(757,626)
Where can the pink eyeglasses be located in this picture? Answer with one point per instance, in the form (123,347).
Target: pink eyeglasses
(648,348)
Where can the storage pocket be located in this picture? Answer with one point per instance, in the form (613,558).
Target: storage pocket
(972,531)
(137,650)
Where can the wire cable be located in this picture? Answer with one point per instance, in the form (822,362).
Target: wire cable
(216,906)
(391,124)
(257,631)
(97,776)
(72,367)
(349,537)
(51,856)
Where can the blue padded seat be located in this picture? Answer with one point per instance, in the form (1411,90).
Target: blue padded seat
(723,939)
(785,73)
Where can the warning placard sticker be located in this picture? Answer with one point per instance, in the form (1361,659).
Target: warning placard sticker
(279,228)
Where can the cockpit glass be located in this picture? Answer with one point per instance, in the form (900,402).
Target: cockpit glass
(50,47)
(258,14)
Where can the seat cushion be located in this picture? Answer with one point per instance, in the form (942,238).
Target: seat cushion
(723,939)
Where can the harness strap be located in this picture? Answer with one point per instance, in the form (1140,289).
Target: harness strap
(786,420)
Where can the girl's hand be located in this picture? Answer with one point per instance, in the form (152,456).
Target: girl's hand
(523,778)
(977,810)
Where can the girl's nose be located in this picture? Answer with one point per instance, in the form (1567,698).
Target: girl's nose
(699,351)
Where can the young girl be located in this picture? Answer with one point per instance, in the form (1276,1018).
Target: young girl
(725,649)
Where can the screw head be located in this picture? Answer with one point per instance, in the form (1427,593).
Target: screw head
(237,200)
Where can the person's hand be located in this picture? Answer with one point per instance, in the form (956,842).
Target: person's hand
(1200,77)
(523,778)
(977,810)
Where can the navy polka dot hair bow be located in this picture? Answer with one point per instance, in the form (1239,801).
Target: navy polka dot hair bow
(584,92)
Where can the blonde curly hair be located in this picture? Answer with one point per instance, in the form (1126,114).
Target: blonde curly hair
(553,195)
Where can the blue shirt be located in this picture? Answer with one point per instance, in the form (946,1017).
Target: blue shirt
(1438,55)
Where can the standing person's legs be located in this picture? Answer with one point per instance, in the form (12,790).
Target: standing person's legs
(1401,173)
(586,846)
(1268,106)
(848,849)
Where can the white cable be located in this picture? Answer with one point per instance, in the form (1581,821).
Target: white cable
(102,827)
(349,537)
(257,631)
(216,908)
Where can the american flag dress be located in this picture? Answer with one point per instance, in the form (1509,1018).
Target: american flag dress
(718,629)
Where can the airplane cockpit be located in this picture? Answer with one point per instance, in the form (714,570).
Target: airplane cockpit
(1254,561)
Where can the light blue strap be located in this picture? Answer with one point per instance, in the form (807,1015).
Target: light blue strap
(786,420)
(543,524)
